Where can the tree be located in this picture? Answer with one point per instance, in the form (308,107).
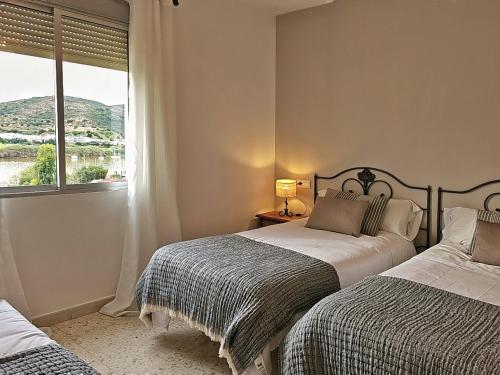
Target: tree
(46,164)
(43,172)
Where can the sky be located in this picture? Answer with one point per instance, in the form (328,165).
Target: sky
(24,77)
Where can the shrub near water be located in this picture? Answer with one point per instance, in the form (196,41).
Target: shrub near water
(88,174)
(43,172)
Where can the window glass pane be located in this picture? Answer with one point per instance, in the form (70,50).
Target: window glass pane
(95,102)
(94,114)
(27,113)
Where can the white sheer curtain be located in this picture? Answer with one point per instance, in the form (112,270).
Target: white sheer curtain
(153,218)
(11,288)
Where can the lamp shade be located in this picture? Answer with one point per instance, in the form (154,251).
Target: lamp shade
(286,188)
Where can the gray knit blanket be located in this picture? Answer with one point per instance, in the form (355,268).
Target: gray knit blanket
(45,360)
(238,291)
(386,325)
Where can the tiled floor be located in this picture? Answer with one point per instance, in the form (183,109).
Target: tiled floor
(126,346)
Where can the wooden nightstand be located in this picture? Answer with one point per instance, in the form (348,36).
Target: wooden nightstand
(273,217)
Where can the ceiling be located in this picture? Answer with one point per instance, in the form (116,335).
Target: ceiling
(276,7)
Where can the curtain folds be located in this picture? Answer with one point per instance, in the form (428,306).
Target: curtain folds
(153,218)
(11,288)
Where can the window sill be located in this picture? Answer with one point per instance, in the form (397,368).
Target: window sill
(37,191)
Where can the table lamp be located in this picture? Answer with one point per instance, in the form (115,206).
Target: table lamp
(286,189)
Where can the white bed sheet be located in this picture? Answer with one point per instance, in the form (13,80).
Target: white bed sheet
(445,267)
(16,333)
(353,258)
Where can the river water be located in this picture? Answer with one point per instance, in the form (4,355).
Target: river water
(10,169)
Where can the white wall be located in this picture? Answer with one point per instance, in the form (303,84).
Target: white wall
(68,247)
(225,56)
(410,86)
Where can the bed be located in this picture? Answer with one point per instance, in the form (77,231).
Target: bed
(24,349)
(437,313)
(246,290)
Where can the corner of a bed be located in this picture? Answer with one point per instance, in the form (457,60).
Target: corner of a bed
(25,349)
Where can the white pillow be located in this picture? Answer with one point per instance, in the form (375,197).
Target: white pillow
(459,227)
(402,217)
(322,193)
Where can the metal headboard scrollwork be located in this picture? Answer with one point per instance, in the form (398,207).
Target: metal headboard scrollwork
(366,179)
(486,202)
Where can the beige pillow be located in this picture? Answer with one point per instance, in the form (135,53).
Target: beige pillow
(487,245)
(338,215)
(487,216)
(373,215)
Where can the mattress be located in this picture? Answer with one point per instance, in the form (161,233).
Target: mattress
(353,258)
(445,267)
(16,333)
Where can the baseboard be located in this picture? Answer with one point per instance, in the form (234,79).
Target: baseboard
(73,312)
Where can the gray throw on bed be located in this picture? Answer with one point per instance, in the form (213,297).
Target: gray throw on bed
(238,291)
(386,325)
(45,360)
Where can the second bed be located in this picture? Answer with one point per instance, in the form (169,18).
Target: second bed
(438,313)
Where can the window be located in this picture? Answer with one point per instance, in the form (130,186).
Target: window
(63,101)
(27,98)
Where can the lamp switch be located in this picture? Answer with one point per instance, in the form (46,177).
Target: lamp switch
(304,184)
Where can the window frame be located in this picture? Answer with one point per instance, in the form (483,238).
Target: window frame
(62,187)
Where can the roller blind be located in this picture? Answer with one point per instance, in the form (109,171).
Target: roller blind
(26,31)
(88,43)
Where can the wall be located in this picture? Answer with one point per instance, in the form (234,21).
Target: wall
(225,56)
(68,247)
(411,86)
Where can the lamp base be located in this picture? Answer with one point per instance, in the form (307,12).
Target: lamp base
(286,211)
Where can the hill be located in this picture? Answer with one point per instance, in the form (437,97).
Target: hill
(82,117)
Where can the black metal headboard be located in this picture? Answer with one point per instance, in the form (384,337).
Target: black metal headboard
(486,202)
(367,179)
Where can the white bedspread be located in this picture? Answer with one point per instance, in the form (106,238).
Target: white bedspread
(445,267)
(353,258)
(16,333)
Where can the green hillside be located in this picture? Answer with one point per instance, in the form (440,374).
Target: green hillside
(82,117)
